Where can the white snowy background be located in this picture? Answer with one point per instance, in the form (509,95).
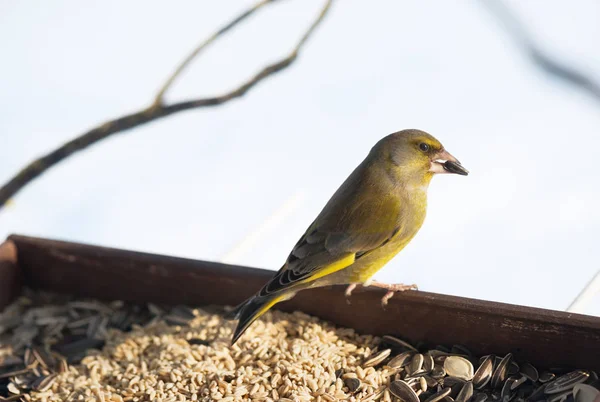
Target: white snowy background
(522,228)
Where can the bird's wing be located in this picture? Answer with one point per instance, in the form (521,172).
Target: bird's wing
(336,240)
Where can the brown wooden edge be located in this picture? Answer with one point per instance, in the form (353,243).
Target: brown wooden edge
(10,278)
(544,337)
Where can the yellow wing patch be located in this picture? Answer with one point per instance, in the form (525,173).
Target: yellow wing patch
(267,306)
(331,268)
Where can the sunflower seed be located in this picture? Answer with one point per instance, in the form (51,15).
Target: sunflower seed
(93,306)
(439,395)
(546,376)
(585,393)
(174,319)
(74,349)
(513,368)
(480,397)
(423,384)
(431,382)
(13,389)
(460,367)
(460,350)
(518,382)
(428,363)
(353,384)
(378,358)
(416,364)
(44,383)
(7,361)
(484,373)
(538,393)
(154,309)
(567,381)
(559,397)
(62,366)
(402,390)
(530,372)
(501,371)
(13,373)
(402,360)
(438,371)
(435,353)
(43,357)
(506,392)
(465,393)
(396,343)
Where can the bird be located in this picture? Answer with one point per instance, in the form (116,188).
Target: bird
(371,217)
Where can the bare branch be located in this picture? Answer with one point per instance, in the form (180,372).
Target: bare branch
(550,64)
(158,109)
(203,45)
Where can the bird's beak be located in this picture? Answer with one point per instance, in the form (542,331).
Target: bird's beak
(443,162)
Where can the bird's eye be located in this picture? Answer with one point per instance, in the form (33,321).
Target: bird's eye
(424,147)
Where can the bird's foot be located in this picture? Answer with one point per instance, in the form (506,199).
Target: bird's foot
(349,290)
(391,289)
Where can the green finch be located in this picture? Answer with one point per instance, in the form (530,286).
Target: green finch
(372,216)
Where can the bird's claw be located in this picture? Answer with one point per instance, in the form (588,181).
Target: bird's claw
(392,289)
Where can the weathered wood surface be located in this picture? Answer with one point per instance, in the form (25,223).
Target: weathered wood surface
(544,337)
(9,273)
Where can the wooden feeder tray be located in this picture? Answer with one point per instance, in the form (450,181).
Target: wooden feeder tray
(545,338)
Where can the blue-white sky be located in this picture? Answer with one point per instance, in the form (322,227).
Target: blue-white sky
(522,228)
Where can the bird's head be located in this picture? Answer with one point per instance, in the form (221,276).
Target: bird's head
(416,155)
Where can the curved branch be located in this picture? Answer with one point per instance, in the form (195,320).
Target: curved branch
(204,45)
(157,110)
(544,61)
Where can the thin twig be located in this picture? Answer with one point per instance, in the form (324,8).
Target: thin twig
(544,61)
(158,109)
(204,45)
(589,291)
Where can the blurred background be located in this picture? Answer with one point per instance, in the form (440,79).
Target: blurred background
(239,183)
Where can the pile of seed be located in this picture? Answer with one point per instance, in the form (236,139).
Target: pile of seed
(53,348)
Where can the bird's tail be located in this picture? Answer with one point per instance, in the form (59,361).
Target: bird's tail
(250,310)
(235,313)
